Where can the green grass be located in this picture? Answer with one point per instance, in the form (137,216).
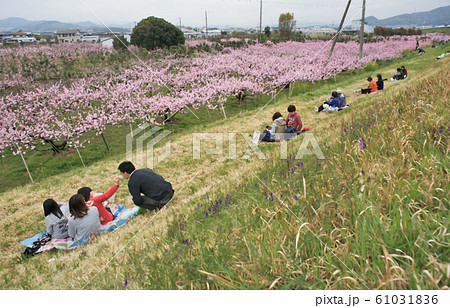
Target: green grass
(381,210)
(372,216)
(44,164)
(437,30)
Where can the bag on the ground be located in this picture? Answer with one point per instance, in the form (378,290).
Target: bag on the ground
(31,251)
(256,136)
(267,137)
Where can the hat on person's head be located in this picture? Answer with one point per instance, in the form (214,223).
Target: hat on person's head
(369,78)
(339,91)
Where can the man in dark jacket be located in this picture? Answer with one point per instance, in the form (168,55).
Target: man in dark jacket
(148,189)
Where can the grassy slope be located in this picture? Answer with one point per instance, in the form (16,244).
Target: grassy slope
(44,164)
(22,214)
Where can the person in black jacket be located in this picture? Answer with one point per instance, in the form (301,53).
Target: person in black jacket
(148,189)
(380,82)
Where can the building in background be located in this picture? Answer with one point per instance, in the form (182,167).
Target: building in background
(68,36)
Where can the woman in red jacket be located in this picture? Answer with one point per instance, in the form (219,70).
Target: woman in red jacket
(105,216)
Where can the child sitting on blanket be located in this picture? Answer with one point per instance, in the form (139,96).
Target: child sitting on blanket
(104,212)
(276,131)
(293,121)
(84,220)
(56,218)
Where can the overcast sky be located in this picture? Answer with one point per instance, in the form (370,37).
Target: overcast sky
(244,13)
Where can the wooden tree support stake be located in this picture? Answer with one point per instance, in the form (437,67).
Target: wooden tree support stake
(25,163)
(79,154)
(223,110)
(104,140)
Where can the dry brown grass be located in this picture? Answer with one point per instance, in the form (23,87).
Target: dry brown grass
(22,206)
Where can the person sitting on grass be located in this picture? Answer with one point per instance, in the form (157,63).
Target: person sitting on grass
(293,121)
(148,189)
(276,131)
(342,99)
(84,221)
(330,105)
(421,51)
(105,213)
(56,218)
(398,75)
(380,82)
(371,88)
(404,71)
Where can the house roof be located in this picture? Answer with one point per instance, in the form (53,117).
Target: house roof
(68,32)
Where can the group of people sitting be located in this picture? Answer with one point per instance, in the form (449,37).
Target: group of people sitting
(336,102)
(375,86)
(283,129)
(401,73)
(85,214)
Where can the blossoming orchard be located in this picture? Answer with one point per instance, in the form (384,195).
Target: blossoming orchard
(63,110)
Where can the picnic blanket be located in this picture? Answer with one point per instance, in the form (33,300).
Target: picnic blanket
(121,215)
(304,130)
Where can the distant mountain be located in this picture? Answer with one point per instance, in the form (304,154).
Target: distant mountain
(13,24)
(436,17)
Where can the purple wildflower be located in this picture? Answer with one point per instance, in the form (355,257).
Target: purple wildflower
(362,144)
(125,283)
(292,170)
(217,229)
(185,242)
(301,164)
(265,198)
(441,131)
(295,197)
(362,172)
(83,253)
(271,196)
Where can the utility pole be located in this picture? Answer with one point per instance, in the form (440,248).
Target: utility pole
(361,34)
(180,21)
(260,21)
(340,27)
(206,21)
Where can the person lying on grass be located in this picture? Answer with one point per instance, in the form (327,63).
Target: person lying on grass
(148,189)
(84,220)
(276,131)
(331,105)
(56,218)
(105,213)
